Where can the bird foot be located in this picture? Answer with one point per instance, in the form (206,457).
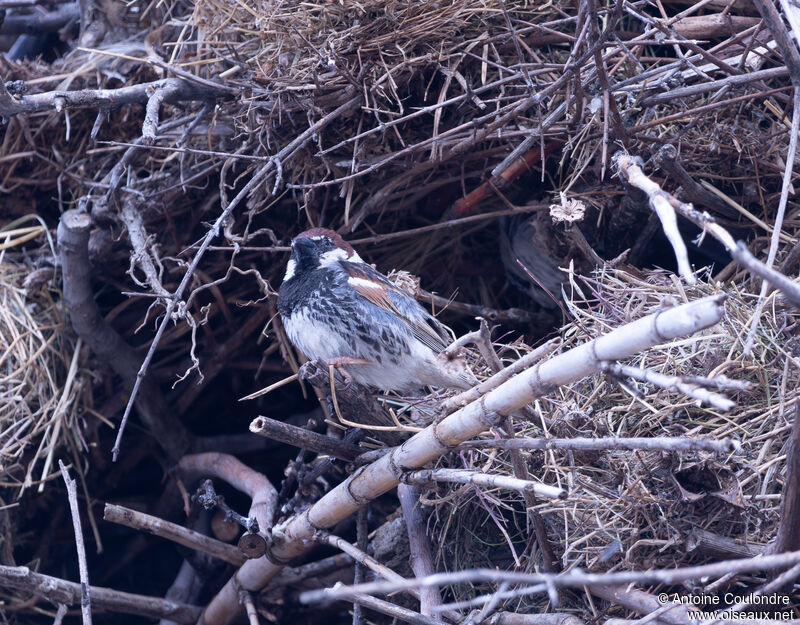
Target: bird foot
(340,362)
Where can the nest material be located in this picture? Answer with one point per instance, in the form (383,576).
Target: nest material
(635,510)
(40,378)
(442,88)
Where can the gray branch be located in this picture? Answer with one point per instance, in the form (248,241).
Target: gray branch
(170,90)
(104,341)
(69,593)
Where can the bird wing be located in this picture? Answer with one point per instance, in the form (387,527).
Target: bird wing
(378,290)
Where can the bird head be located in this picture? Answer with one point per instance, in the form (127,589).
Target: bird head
(318,247)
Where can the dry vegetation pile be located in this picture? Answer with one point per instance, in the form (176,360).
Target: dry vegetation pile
(182,145)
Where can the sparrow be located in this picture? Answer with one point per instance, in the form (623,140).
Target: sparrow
(525,249)
(337,308)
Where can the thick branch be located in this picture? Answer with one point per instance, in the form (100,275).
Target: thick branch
(107,345)
(291,538)
(305,439)
(40,23)
(262,493)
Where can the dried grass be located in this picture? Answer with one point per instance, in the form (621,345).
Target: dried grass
(441,84)
(634,510)
(40,381)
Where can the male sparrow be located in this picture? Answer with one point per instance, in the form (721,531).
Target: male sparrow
(337,308)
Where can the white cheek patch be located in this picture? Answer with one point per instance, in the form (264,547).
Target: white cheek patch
(332,256)
(290,267)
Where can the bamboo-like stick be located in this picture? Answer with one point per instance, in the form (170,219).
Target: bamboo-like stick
(295,535)
(465,476)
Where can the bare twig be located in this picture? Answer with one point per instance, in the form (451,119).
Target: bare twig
(664,443)
(69,593)
(630,167)
(72,492)
(141,244)
(497,379)
(659,202)
(360,556)
(292,536)
(509,315)
(395,611)
(89,324)
(464,476)
(421,559)
(262,493)
(258,178)
(694,192)
(176,533)
(173,90)
(305,439)
(714,85)
(671,382)
(573,579)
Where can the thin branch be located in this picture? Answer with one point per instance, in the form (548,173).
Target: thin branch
(258,178)
(670,382)
(421,558)
(465,476)
(104,341)
(72,492)
(664,443)
(630,167)
(395,611)
(659,202)
(361,557)
(263,495)
(572,579)
(304,439)
(173,89)
(291,537)
(174,532)
(69,593)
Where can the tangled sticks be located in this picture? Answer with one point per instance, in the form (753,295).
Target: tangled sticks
(293,536)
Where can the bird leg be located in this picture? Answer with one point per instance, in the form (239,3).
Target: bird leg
(339,363)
